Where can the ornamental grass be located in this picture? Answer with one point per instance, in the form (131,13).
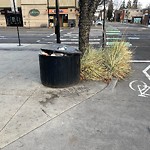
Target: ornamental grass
(111,62)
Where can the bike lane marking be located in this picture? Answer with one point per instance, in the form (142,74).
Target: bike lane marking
(145,72)
(141,87)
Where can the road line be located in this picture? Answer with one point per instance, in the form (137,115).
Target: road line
(145,72)
(38,41)
(91,40)
(78,43)
(133,38)
(52,34)
(140,61)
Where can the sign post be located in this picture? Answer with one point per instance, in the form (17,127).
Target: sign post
(57,25)
(16,22)
(104,30)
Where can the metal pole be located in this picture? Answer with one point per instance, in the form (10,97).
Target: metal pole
(104,32)
(48,11)
(57,26)
(16,22)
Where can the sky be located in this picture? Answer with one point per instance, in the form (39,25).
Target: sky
(144,2)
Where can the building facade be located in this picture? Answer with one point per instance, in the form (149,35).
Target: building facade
(131,15)
(38,13)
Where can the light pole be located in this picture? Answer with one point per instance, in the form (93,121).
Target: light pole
(48,11)
(104,31)
(57,25)
(16,22)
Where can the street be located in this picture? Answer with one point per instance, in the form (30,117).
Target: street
(47,36)
(138,36)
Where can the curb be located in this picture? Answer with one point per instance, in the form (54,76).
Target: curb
(112,84)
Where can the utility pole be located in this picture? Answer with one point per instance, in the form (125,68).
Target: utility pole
(48,11)
(104,30)
(16,22)
(57,26)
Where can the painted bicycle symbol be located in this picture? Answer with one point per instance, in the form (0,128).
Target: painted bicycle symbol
(141,87)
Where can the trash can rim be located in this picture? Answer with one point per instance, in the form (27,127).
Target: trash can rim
(57,48)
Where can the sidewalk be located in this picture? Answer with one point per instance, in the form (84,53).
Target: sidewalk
(24,46)
(88,116)
(25,104)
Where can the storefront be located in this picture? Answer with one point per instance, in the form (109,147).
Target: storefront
(68,17)
(38,13)
(63,13)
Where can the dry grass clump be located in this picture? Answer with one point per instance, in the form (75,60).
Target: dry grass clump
(91,65)
(107,64)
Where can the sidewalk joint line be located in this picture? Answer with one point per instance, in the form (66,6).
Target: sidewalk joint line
(56,115)
(17,111)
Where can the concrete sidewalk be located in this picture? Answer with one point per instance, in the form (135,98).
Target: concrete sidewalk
(25,104)
(88,116)
(24,46)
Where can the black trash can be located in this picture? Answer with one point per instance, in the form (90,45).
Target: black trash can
(59,65)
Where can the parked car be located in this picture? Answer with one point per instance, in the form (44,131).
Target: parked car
(99,22)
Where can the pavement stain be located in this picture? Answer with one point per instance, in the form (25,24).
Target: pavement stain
(148,128)
(73,139)
(48,100)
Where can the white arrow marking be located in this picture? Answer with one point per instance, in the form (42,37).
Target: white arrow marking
(145,72)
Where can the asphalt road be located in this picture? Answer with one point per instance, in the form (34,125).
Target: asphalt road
(138,36)
(44,35)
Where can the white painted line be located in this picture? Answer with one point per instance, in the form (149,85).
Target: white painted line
(94,39)
(94,43)
(74,39)
(3,37)
(145,72)
(133,38)
(114,38)
(37,41)
(130,85)
(49,42)
(69,33)
(73,35)
(140,61)
(91,40)
(52,34)
(78,42)
(70,42)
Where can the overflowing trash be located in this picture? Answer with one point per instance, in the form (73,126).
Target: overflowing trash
(58,50)
(51,54)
